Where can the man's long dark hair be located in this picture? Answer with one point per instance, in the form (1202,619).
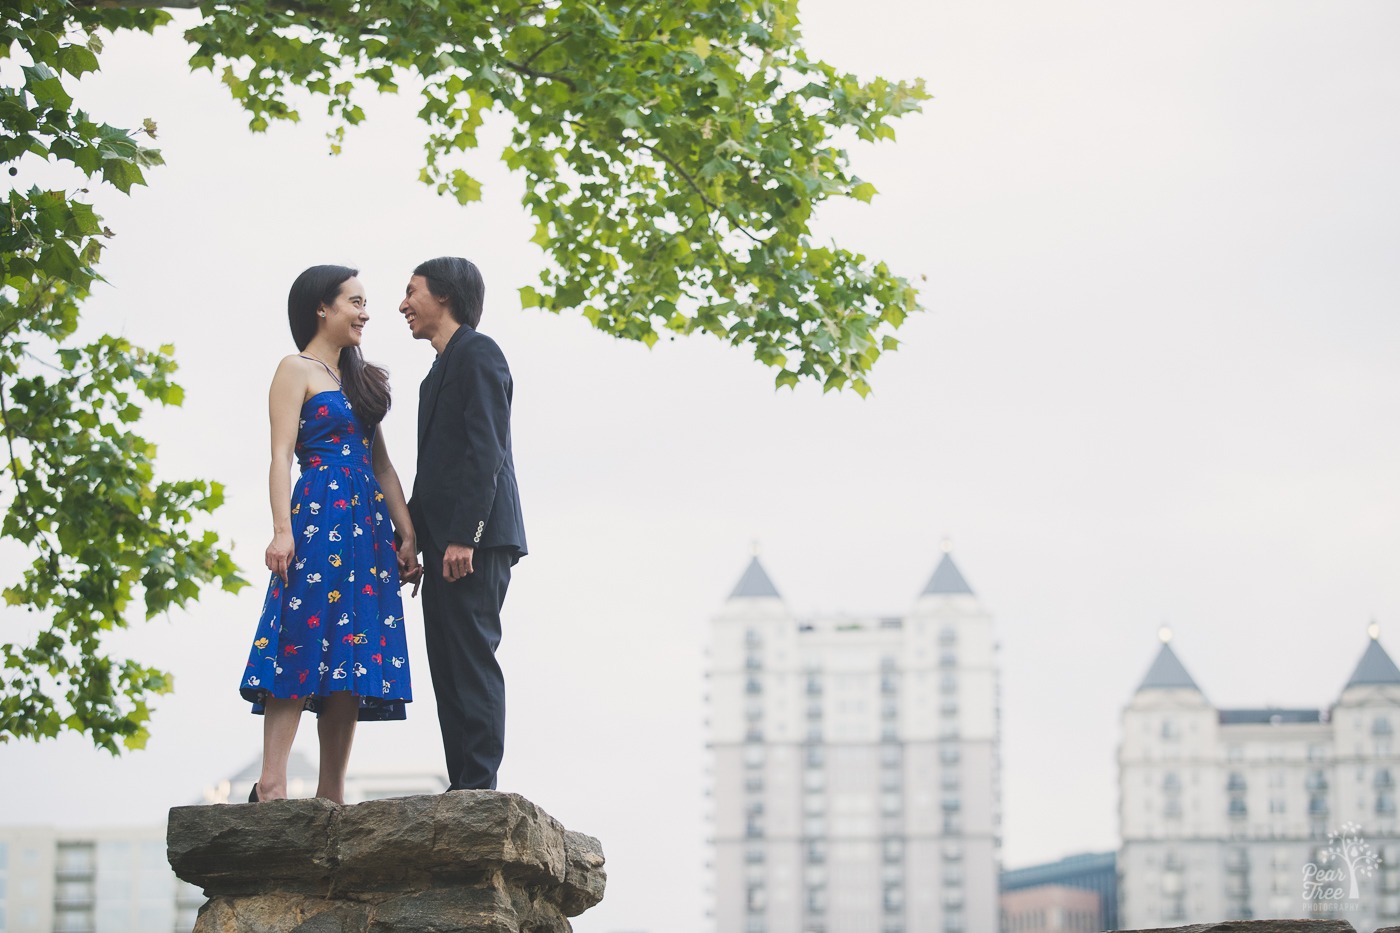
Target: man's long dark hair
(458,282)
(365,385)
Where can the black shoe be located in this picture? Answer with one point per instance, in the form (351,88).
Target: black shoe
(253,794)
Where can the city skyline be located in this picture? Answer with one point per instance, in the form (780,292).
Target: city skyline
(1155,385)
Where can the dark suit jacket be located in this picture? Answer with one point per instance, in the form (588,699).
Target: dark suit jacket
(465,491)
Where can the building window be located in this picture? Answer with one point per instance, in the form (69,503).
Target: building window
(753,686)
(816,852)
(754,783)
(816,900)
(948,684)
(947,659)
(949,780)
(1381,726)
(753,756)
(814,685)
(889,683)
(1238,810)
(890,756)
(753,663)
(1170,729)
(814,756)
(894,897)
(949,754)
(752,638)
(892,849)
(948,635)
(753,856)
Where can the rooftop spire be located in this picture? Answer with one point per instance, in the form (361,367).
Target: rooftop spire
(946,580)
(1167,672)
(1375,666)
(754,583)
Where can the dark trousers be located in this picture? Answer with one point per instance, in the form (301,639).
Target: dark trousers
(462,625)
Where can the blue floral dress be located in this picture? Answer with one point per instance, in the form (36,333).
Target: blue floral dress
(337,623)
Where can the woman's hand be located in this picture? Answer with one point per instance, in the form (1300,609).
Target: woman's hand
(410,571)
(280,553)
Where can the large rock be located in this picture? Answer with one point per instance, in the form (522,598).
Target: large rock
(1261,926)
(461,862)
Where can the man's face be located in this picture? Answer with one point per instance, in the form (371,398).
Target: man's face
(424,311)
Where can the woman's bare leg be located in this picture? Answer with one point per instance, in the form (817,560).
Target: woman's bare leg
(336,729)
(280,721)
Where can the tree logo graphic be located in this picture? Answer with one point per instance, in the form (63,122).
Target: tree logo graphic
(1347,859)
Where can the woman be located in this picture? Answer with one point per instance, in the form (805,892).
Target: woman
(331,636)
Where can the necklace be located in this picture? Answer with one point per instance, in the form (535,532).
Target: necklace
(329,371)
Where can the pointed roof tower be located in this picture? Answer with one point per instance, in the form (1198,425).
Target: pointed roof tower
(754,584)
(1167,672)
(1375,666)
(946,579)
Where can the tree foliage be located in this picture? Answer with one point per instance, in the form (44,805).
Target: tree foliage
(80,495)
(673,153)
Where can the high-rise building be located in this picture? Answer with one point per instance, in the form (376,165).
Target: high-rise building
(117,880)
(1235,813)
(853,767)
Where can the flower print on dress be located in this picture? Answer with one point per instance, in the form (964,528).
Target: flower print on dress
(323,625)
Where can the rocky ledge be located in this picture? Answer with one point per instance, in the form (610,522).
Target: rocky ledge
(461,862)
(1265,926)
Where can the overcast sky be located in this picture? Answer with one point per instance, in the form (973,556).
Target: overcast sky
(1157,383)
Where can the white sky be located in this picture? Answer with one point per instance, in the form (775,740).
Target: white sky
(1157,383)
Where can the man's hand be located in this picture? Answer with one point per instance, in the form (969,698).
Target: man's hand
(410,571)
(457,562)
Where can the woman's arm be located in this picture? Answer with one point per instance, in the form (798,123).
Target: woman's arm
(388,478)
(284,402)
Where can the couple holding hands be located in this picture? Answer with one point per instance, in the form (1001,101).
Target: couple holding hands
(331,635)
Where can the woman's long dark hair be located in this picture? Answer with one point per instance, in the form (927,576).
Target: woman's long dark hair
(365,385)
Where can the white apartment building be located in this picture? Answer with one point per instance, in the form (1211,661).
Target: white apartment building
(1222,810)
(853,765)
(117,879)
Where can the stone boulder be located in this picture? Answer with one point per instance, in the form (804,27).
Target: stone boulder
(1261,926)
(461,862)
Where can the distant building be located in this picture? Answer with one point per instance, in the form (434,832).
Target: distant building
(1051,908)
(1096,872)
(117,879)
(854,770)
(1223,810)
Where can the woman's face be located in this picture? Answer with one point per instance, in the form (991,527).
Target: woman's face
(345,317)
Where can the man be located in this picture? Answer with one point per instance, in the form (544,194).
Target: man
(466,512)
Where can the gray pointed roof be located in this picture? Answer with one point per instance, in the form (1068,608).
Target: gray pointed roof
(1375,667)
(946,580)
(754,583)
(1167,673)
